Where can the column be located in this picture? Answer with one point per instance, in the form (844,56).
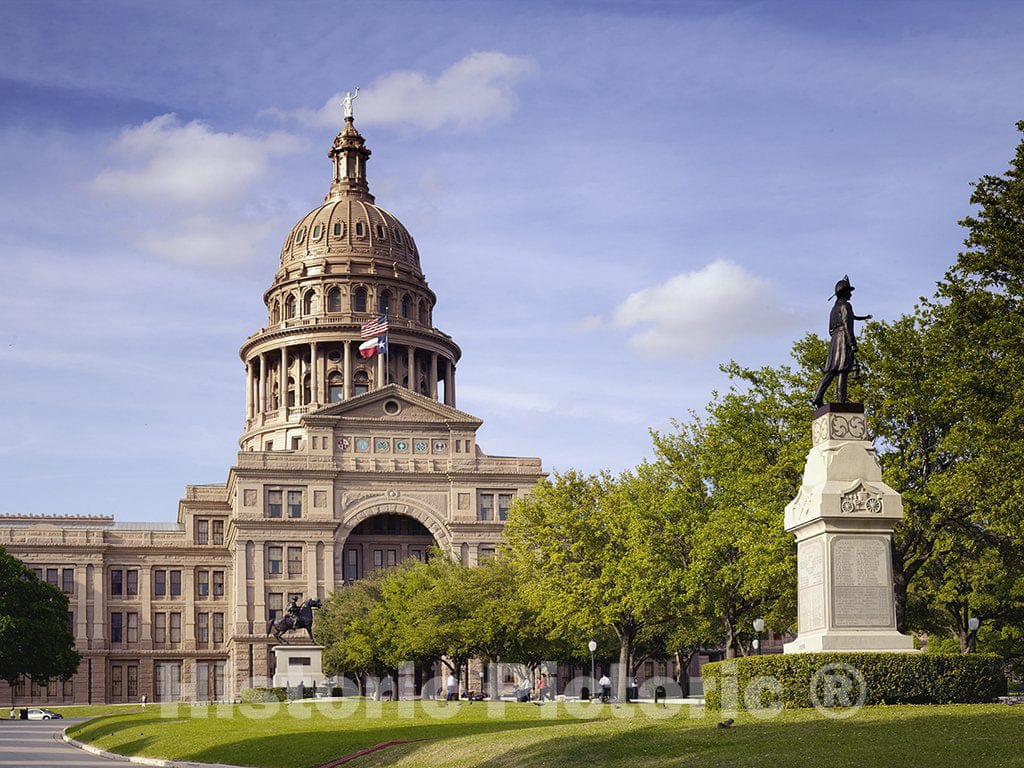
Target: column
(433,375)
(188,612)
(315,378)
(347,369)
(310,553)
(239,609)
(329,555)
(282,384)
(81,604)
(449,384)
(300,391)
(410,363)
(248,390)
(263,383)
(259,587)
(99,607)
(145,608)
(380,371)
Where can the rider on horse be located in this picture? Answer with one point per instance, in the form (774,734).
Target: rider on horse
(293,610)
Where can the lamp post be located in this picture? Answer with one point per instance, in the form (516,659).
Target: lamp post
(759,628)
(592,645)
(972,639)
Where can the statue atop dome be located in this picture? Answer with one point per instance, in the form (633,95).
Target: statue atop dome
(349,98)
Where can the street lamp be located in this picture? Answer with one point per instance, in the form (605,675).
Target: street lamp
(972,639)
(592,645)
(759,628)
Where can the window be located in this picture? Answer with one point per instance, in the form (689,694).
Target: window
(218,627)
(294,503)
(167,680)
(289,307)
(116,635)
(131,583)
(38,572)
(504,503)
(115,681)
(361,383)
(202,627)
(202,583)
(337,229)
(133,680)
(359,300)
(384,302)
(68,688)
(68,580)
(309,303)
(218,583)
(486,553)
(275,605)
(71,622)
(335,388)
(275,313)
(300,235)
(380,232)
(378,558)
(159,582)
(416,553)
(273,503)
(294,561)
(359,229)
(160,627)
(274,560)
(318,230)
(117,583)
(202,531)
(218,531)
(334,300)
(132,621)
(351,564)
(51,576)
(174,622)
(486,511)
(406,301)
(175,583)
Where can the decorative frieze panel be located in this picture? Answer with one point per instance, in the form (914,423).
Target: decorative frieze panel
(839,426)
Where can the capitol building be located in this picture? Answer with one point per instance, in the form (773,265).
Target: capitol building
(351,460)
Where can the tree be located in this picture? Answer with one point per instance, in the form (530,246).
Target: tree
(35,640)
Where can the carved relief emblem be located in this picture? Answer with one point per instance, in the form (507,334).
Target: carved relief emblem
(861,500)
(851,426)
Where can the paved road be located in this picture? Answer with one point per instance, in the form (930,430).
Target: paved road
(37,744)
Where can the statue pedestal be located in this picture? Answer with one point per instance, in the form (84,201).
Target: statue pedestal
(296,664)
(843,518)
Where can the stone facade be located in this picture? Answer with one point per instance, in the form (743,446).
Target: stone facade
(346,465)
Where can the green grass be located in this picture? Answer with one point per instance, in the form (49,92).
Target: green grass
(301,735)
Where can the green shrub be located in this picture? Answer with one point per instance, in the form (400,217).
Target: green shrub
(263,695)
(759,682)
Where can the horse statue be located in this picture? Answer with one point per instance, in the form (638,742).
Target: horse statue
(288,622)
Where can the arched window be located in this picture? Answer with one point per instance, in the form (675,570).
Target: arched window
(361,383)
(275,397)
(335,387)
(275,312)
(423,313)
(359,301)
(291,392)
(334,300)
(384,302)
(289,307)
(406,301)
(309,303)
(307,393)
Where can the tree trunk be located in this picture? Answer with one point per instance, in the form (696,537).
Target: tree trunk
(730,641)
(899,586)
(625,648)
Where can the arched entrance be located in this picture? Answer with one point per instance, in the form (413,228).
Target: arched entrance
(384,540)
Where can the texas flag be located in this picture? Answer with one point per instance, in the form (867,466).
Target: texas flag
(374,346)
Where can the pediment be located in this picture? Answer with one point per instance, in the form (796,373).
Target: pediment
(394,404)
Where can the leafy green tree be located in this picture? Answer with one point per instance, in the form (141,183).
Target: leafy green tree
(35,640)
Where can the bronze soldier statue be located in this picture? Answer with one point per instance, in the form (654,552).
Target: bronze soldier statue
(842,348)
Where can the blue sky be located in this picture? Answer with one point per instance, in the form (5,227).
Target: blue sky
(609,199)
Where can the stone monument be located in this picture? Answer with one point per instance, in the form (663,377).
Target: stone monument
(843,517)
(296,664)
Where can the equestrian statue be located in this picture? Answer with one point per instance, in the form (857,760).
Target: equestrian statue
(295,617)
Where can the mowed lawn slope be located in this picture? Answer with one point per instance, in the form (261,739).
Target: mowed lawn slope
(303,735)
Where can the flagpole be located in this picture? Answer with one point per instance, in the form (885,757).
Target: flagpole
(387,354)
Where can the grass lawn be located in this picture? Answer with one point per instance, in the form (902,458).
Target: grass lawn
(305,734)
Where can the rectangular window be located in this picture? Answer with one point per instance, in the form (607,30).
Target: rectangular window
(202,681)
(167,681)
(38,572)
(275,605)
(274,561)
(133,680)
(504,504)
(175,626)
(294,503)
(392,557)
(159,583)
(218,583)
(131,583)
(218,531)
(202,531)
(115,681)
(416,553)
(69,688)
(160,627)
(115,628)
(132,621)
(51,688)
(378,558)
(203,583)
(68,580)
(51,576)
(218,627)
(116,583)
(486,507)
(351,564)
(294,561)
(273,503)
(175,583)
(71,622)
(202,628)
(486,553)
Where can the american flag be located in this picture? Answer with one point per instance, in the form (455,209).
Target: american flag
(374,327)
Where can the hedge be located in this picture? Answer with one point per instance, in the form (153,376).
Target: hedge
(263,695)
(760,682)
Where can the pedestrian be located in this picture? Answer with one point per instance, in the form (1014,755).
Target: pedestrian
(143,702)
(453,686)
(606,688)
(542,687)
(12,713)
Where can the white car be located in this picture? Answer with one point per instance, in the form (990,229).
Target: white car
(44,714)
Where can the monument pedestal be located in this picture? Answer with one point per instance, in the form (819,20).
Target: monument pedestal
(296,664)
(843,518)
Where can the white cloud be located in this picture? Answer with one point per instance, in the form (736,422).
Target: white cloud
(208,241)
(190,164)
(698,312)
(476,90)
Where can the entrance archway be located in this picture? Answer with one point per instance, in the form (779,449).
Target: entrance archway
(384,540)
